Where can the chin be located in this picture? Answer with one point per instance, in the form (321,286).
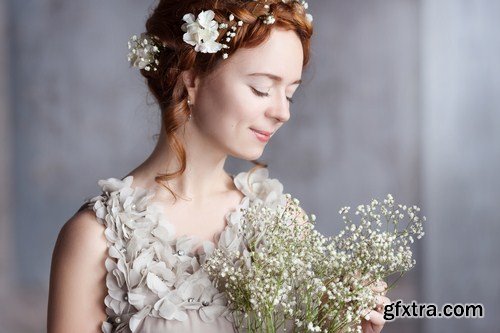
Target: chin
(249,155)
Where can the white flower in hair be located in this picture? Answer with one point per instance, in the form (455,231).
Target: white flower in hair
(202,32)
(143,50)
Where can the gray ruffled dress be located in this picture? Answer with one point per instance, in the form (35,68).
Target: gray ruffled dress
(155,282)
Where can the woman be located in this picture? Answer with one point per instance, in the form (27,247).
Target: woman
(223,74)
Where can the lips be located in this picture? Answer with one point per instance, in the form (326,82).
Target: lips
(262,132)
(262,136)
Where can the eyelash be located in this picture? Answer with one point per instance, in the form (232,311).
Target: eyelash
(262,94)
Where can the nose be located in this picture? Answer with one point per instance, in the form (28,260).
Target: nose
(280,109)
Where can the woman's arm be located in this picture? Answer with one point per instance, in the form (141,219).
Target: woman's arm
(78,276)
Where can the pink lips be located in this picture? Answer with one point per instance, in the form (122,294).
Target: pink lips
(263,136)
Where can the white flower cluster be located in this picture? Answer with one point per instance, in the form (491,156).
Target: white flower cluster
(203,32)
(304,4)
(269,19)
(200,31)
(143,52)
(263,270)
(282,272)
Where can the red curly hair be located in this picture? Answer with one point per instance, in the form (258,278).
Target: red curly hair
(176,56)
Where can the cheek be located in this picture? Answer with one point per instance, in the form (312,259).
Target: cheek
(244,105)
(231,105)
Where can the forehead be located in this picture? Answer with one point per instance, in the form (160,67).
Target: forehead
(281,54)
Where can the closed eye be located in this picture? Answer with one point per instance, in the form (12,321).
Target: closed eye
(264,94)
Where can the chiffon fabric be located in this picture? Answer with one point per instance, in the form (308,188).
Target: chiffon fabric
(155,282)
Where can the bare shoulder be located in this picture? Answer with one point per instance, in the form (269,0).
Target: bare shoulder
(82,232)
(78,275)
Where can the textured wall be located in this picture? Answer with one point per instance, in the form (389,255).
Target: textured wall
(358,130)
(75,109)
(461,141)
(5,245)
(76,112)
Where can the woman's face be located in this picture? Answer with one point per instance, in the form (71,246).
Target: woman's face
(249,91)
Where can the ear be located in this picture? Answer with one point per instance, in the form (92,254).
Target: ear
(191,82)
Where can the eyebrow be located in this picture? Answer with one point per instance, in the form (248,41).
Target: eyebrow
(273,77)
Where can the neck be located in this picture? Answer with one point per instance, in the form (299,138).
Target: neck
(204,175)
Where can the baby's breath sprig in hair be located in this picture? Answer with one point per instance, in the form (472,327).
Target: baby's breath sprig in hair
(143,51)
(269,17)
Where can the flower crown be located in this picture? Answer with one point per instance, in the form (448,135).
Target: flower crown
(201,32)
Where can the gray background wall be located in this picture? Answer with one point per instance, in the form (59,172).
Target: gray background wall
(401,97)
(460,91)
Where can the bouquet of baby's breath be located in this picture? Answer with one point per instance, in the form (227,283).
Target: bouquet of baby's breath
(286,276)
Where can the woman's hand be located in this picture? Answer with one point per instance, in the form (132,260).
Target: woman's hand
(375,321)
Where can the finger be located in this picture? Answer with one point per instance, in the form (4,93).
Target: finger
(379,287)
(365,314)
(377,320)
(372,322)
(381,301)
(366,326)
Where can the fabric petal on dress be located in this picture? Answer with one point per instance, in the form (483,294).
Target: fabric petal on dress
(211,312)
(137,318)
(152,273)
(106,327)
(156,285)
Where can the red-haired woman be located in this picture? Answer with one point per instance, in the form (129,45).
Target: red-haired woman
(224,74)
